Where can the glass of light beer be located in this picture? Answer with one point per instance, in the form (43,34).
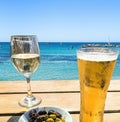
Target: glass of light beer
(95,68)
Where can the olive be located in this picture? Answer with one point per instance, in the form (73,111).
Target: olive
(33,115)
(32,112)
(58,119)
(58,115)
(51,112)
(45,116)
(38,120)
(49,120)
(63,120)
(53,116)
(42,117)
(42,112)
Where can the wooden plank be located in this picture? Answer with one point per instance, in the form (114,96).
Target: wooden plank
(114,117)
(114,85)
(40,86)
(64,100)
(113,101)
(69,101)
(49,86)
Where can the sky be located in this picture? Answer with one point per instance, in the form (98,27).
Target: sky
(61,20)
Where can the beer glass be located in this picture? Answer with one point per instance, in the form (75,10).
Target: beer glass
(25,57)
(95,68)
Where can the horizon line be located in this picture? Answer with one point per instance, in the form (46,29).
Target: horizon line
(72,41)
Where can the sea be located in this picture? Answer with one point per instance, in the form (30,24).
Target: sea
(58,61)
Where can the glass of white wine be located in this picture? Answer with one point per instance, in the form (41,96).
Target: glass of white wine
(25,55)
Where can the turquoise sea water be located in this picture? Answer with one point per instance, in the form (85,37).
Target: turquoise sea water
(57,61)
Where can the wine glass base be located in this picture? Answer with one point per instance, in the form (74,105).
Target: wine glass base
(29,102)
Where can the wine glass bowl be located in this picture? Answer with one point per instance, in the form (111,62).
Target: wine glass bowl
(25,56)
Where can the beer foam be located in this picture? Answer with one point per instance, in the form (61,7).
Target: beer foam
(97,56)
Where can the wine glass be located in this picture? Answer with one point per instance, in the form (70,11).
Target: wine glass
(25,56)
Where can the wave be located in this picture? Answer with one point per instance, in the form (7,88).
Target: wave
(44,58)
(4,57)
(58,58)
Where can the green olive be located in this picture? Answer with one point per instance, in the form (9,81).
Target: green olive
(49,120)
(58,120)
(53,116)
(63,120)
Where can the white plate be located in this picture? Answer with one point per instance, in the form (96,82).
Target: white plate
(63,112)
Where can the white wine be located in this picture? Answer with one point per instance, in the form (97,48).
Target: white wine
(26,63)
(25,55)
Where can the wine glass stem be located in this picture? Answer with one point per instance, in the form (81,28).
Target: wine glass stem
(29,92)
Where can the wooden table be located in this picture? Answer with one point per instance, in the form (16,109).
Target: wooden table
(62,93)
